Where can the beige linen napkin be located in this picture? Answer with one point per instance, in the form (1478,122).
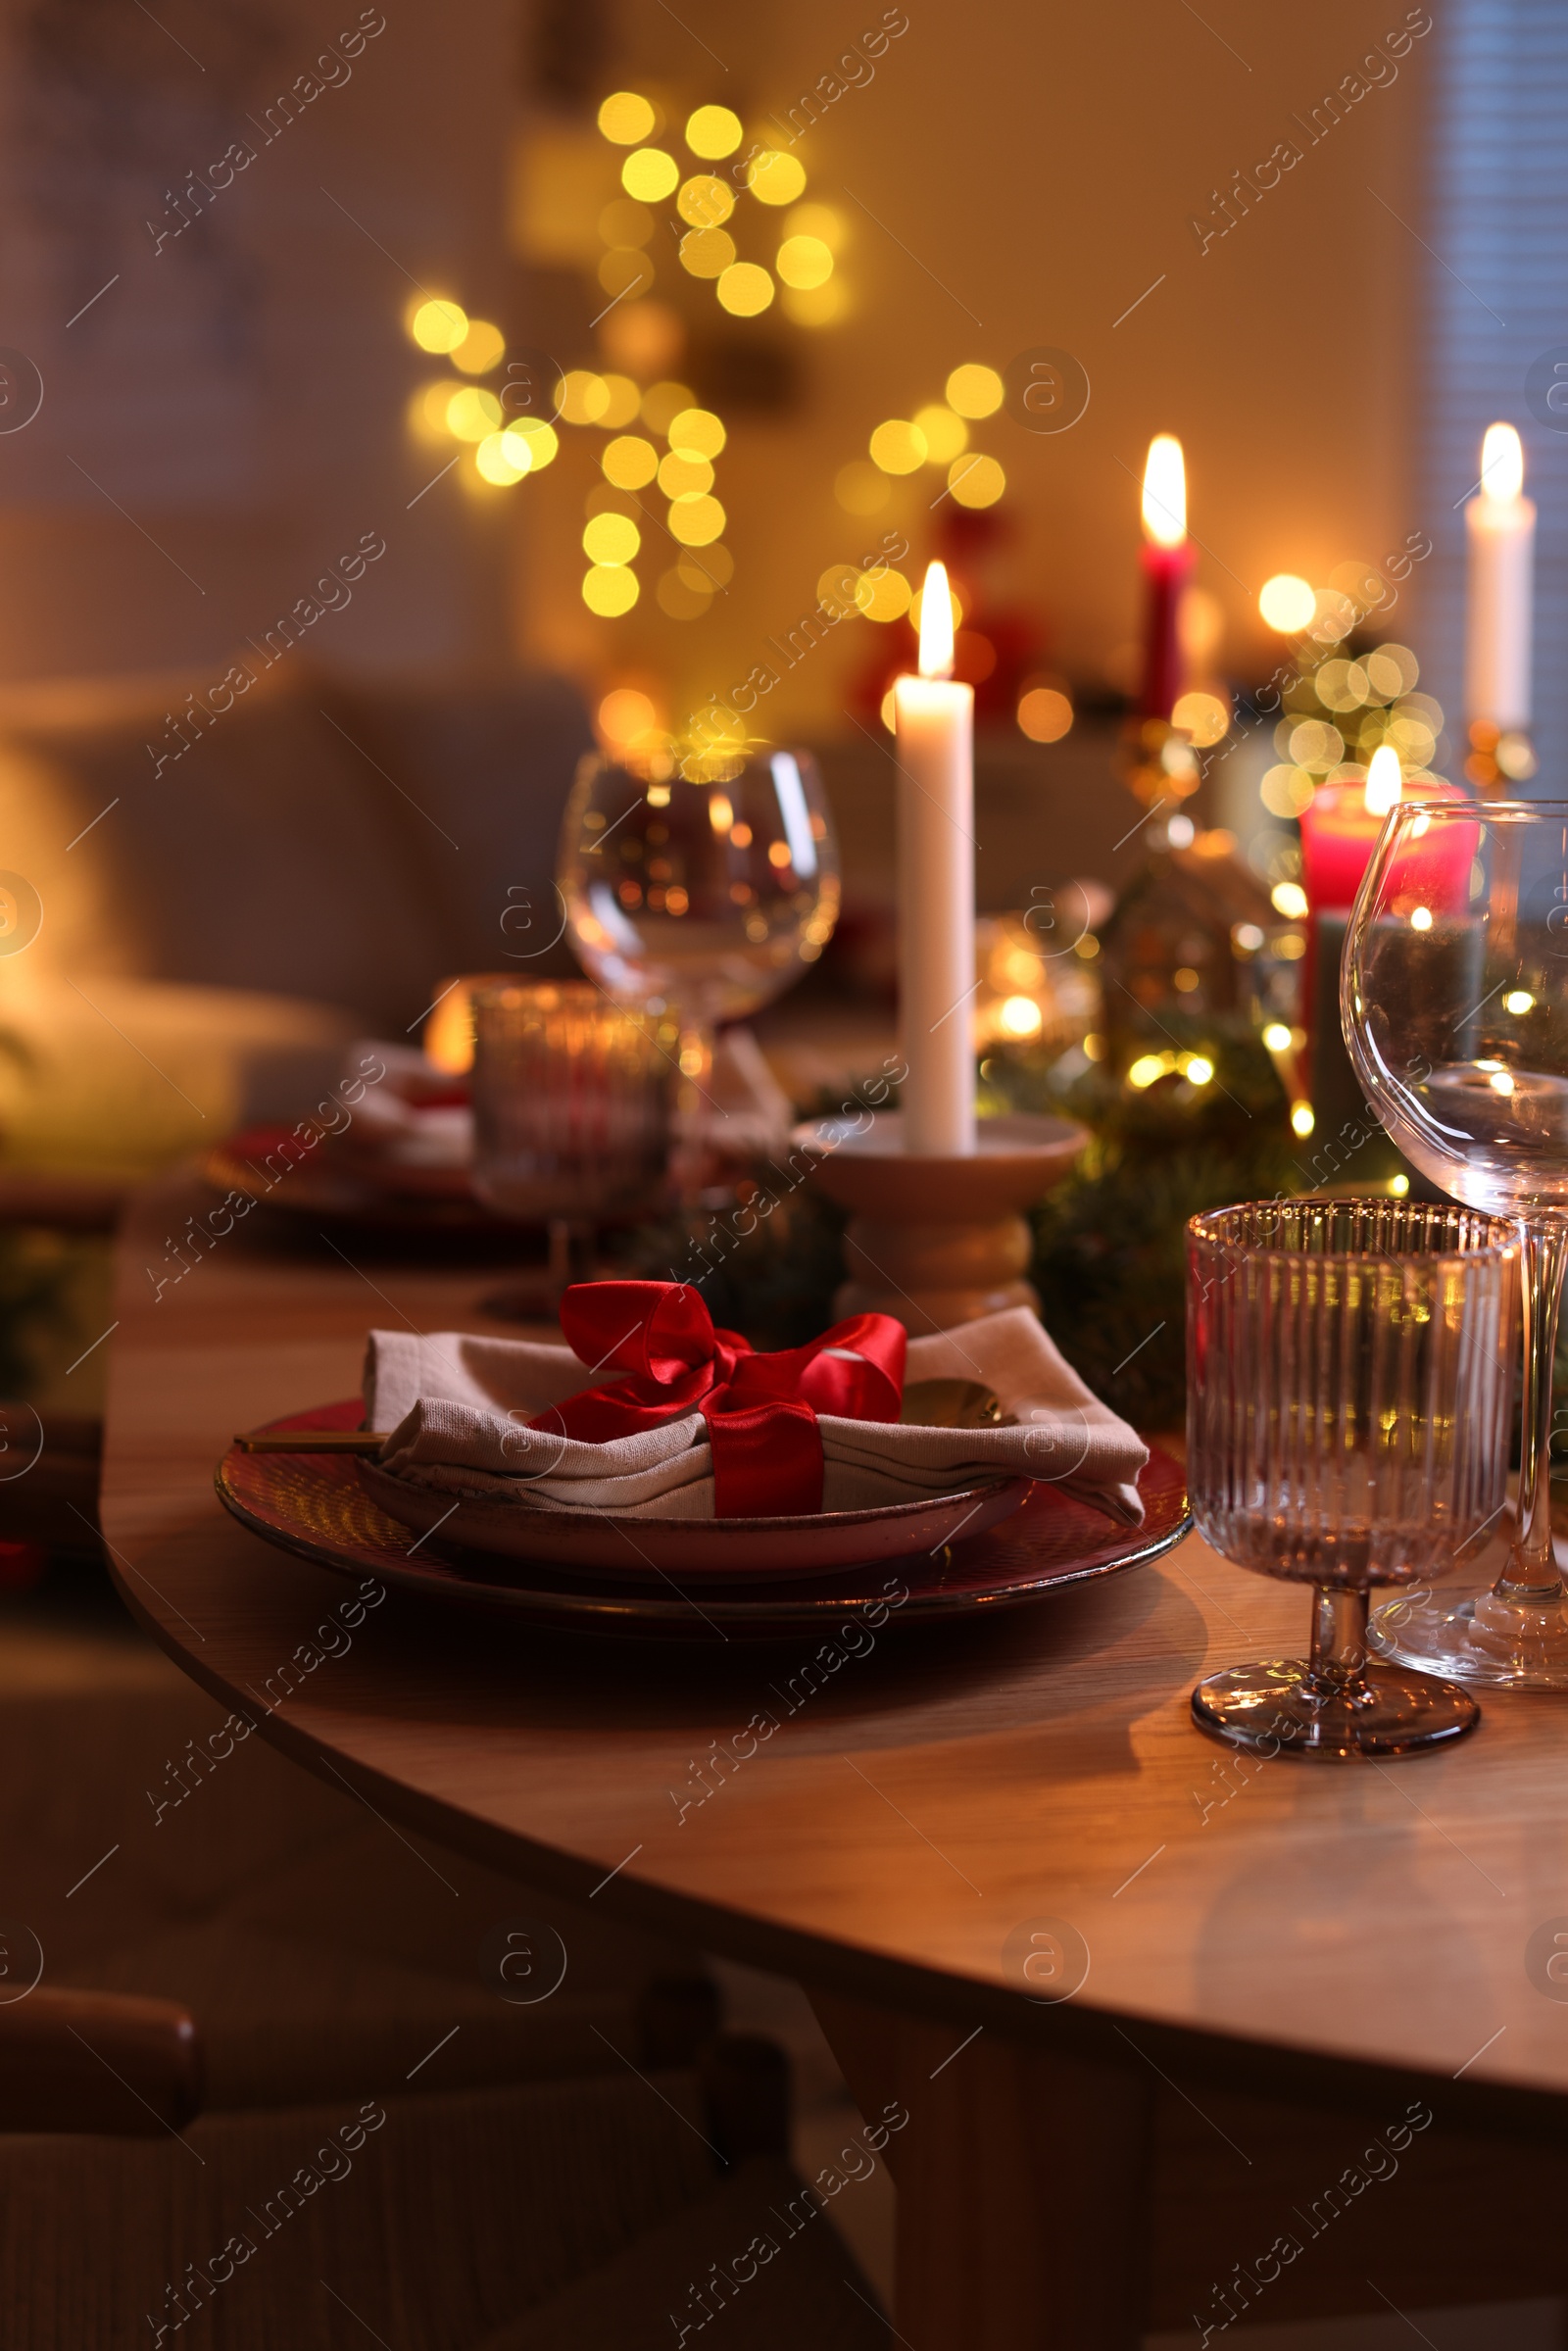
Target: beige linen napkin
(457,1407)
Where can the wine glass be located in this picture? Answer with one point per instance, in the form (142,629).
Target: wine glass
(699,886)
(1454,1002)
(1348,1405)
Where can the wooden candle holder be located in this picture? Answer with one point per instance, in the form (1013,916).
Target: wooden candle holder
(937,1242)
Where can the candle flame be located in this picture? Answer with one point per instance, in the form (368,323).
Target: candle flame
(1385,781)
(1503,462)
(935,623)
(1165,492)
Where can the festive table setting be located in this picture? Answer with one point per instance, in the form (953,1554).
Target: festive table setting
(840,1617)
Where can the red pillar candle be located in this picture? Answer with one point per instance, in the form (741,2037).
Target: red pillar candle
(1167,563)
(1340,829)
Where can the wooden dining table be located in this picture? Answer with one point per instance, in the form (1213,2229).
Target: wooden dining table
(1161,2037)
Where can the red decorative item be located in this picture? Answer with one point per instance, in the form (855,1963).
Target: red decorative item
(760,1410)
(1166,572)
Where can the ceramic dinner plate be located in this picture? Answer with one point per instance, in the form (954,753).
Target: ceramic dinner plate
(324,1508)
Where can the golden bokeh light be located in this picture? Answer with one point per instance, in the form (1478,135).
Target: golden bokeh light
(947,436)
(683,475)
(1203,719)
(428,411)
(438,326)
(976,480)
(541,441)
(1342,685)
(626,118)
(630,463)
(704,202)
(884,597)
(472,414)
(1287,603)
(1313,743)
(582,397)
(500,461)
(862,489)
(623,715)
(663,402)
(696,520)
(1285,791)
(974,391)
(804,263)
(706,252)
(697,432)
(712,132)
(482,348)
(838,590)
(1020,1016)
(745,289)
(611,538)
(625,223)
(1393,671)
(898,446)
(626,399)
(776,178)
(649,174)
(1044,714)
(609,590)
(888,711)
(1289,900)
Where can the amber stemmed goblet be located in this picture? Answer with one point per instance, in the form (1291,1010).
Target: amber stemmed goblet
(1349,1385)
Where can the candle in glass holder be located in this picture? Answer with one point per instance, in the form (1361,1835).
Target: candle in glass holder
(1500,526)
(1167,563)
(1340,825)
(935,722)
(1340,829)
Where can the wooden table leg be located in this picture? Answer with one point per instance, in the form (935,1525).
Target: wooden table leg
(1023,2182)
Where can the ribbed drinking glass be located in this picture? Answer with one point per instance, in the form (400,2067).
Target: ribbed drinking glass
(571,1101)
(1349,1392)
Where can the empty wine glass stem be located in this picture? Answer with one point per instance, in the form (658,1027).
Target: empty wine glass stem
(1339,1638)
(1531,1574)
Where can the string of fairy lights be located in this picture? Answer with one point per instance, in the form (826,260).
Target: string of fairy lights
(703,206)
(658,435)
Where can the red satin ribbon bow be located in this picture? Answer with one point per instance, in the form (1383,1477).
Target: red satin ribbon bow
(760,1410)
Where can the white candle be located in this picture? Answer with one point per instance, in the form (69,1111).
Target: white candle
(935,718)
(1501,527)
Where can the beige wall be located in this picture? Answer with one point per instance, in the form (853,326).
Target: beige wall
(1042,164)
(241,395)
(241,391)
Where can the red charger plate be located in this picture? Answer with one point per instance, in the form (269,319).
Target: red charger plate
(320,1506)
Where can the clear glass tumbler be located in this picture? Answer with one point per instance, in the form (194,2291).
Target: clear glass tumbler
(1349,1397)
(570,1104)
